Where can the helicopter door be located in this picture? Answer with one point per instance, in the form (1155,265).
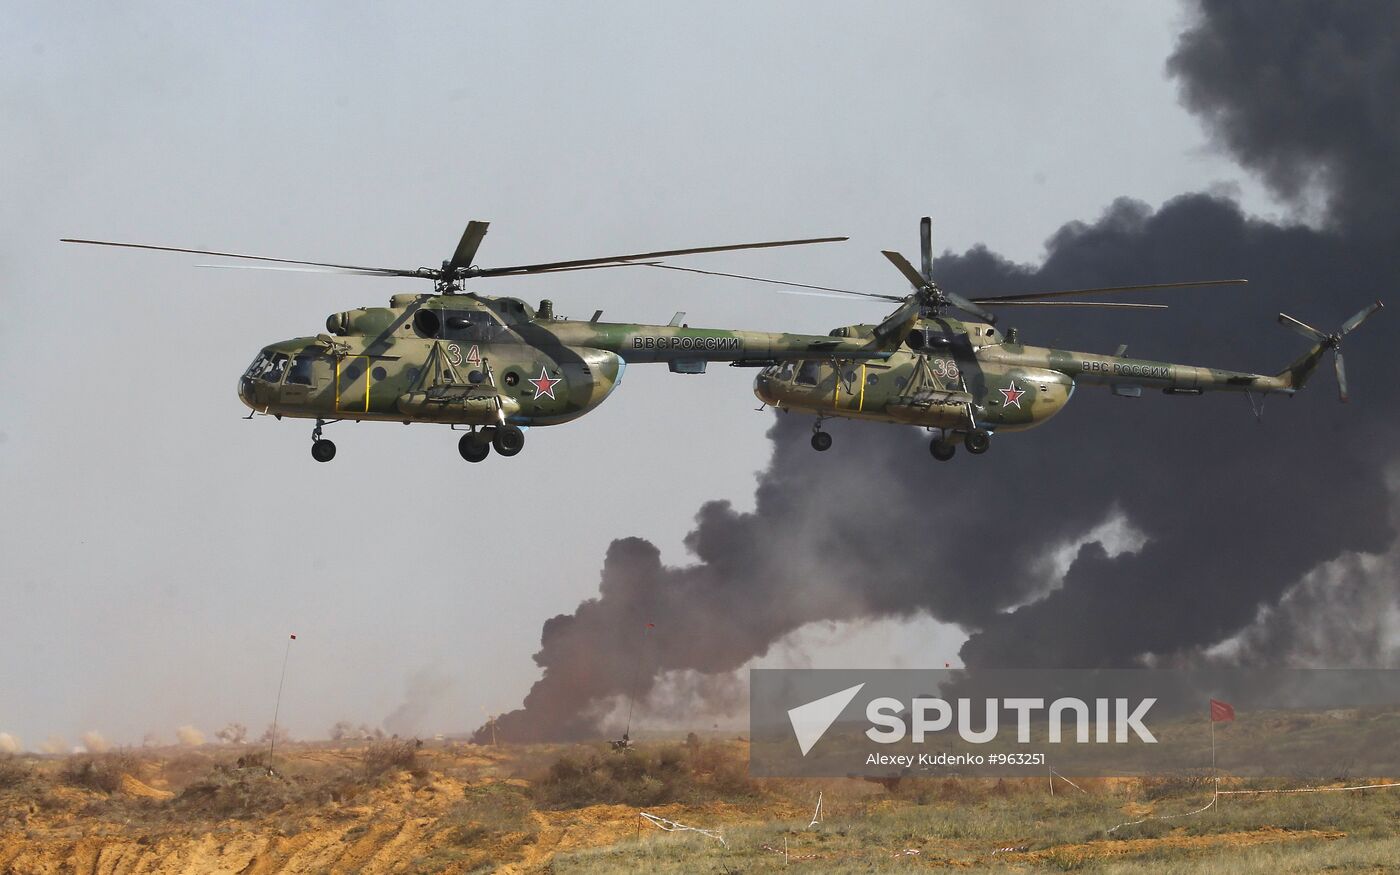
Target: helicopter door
(353,382)
(851,382)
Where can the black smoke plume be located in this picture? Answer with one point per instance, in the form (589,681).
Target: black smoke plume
(1239,515)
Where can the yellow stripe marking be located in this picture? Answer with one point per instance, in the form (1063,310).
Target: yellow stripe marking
(368,380)
(861,409)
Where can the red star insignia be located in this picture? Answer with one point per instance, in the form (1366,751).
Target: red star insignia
(544,384)
(1013,396)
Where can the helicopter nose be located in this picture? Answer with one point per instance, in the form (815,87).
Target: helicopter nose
(245,391)
(763,388)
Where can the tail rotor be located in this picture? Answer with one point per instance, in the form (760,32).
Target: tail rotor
(1333,342)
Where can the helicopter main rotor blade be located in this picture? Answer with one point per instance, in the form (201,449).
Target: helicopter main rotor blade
(837,296)
(917,280)
(1341,374)
(1031,296)
(926,246)
(369,271)
(467,246)
(337,271)
(585,262)
(329,271)
(1114,304)
(759,279)
(583,267)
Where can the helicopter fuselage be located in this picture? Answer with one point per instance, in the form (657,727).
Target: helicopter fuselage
(485,361)
(963,376)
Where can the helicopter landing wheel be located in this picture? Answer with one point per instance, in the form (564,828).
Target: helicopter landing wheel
(977,441)
(821,441)
(942,449)
(322,450)
(508,440)
(474,447)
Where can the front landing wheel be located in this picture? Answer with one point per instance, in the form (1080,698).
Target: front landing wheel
(508,440)
(474,447)
(821,441)
(322,450)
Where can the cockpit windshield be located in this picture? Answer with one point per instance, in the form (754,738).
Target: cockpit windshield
(782,371)
(269,367)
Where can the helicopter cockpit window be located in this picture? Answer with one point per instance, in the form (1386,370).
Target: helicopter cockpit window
(276,368)
(259,365)
(781,372)
(268,367)
(473,325)
(300,374)
(808,373)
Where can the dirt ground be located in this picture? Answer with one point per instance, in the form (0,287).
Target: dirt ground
(343,807)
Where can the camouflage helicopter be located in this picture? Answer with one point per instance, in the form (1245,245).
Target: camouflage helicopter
(491,365)
(964,380)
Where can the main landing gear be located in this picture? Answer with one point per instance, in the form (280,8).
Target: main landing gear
(944,446)
(474,446)
(977,441)
(322,450)
(507,440)
(821,441)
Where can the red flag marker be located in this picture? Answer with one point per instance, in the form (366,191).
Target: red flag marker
(294,637)
(651,625)
(1221,711)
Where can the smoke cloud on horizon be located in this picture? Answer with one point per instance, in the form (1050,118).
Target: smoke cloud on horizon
(1262,543)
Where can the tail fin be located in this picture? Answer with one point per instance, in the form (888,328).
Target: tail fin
(1297,373)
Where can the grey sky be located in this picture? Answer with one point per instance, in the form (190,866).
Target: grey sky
(157,549)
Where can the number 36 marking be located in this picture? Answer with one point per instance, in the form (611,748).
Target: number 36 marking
(946,368)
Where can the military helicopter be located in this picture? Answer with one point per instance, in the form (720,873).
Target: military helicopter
(491,365)
(964,380)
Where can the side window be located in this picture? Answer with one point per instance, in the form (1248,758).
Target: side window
(427,323)
(785,372)
(807,373)
(300,373)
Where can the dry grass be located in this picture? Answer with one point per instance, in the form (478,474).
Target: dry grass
(391,755)
(574,808)
(101,771)
(13,771)
(642,777)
